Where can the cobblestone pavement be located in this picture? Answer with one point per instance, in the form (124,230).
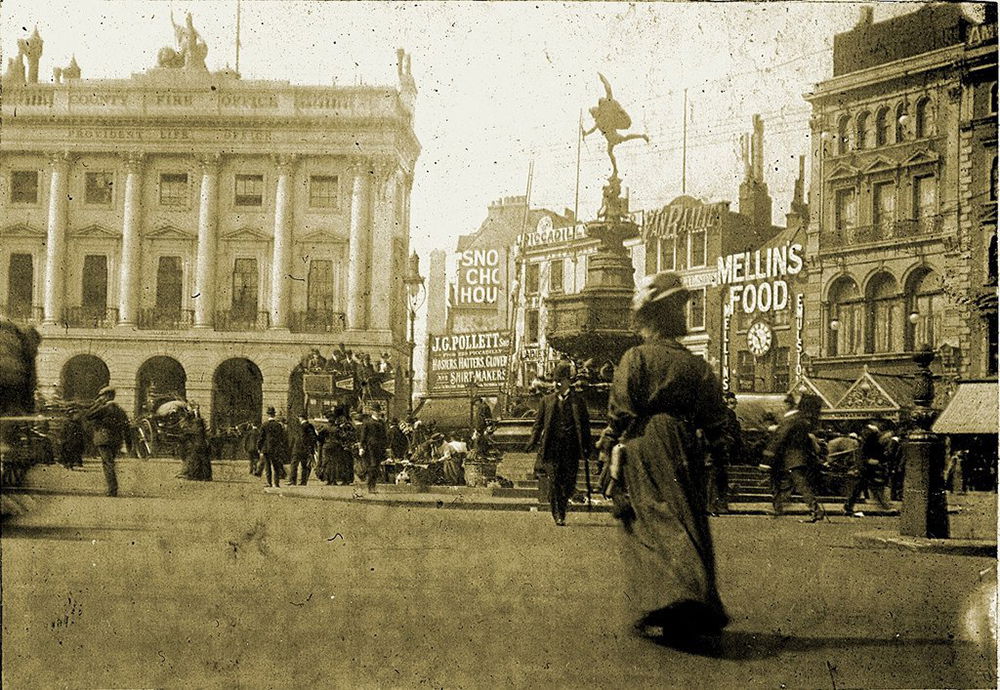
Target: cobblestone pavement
(221,585)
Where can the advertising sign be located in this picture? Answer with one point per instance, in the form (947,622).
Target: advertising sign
(758,280)
(456,361)
(679,218)
(479,278)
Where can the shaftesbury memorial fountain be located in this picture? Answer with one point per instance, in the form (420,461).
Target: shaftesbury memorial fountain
(595,323)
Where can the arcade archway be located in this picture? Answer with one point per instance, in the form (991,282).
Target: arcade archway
(237,393)
(159,376)
(83,376)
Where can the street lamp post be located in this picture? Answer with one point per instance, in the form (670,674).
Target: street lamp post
(415,293)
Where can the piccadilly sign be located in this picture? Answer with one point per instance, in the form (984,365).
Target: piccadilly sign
(758,280)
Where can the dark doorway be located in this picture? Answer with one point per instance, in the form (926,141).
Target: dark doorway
(159,376)
(83,376)
(237,394)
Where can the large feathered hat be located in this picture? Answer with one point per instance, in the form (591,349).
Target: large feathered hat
(658,287)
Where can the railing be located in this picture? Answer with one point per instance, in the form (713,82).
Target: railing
(317,321)
(160,319)
(233,320)
(22,314)
(90,317)
(883,232)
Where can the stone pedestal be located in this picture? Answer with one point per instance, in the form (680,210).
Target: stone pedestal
(925,505)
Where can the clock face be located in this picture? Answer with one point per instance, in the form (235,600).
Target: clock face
(759,338)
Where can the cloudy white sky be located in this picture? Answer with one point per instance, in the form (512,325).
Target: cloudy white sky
(503,83)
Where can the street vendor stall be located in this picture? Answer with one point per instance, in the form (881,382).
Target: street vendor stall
(970,421)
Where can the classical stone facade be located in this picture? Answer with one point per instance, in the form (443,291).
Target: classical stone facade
(194,230)
(886,244)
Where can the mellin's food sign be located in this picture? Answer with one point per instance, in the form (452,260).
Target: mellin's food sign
(758,280)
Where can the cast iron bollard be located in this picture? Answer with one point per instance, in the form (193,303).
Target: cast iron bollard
(925,506)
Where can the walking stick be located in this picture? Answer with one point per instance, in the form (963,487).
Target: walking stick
(586,474)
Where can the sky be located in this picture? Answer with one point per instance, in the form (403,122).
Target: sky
(504,84)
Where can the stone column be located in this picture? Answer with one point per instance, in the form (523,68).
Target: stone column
(130,269)
(282,246)
(204,288)
(357,259)
(55,255)
(383,232)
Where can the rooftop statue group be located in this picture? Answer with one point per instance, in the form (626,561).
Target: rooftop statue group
(191,49)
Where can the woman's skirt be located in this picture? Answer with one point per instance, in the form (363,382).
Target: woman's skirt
(667,547)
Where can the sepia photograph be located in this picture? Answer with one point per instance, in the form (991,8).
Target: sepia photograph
(453,344)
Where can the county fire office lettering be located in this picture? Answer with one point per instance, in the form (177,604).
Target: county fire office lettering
(461,360)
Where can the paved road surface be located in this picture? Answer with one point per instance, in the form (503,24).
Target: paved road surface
(218,585)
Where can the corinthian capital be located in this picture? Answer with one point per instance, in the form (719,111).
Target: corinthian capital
(209,163)
(284,162)
(133,161)
(60,159)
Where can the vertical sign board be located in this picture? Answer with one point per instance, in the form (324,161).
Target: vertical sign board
(799,325)
(727,319)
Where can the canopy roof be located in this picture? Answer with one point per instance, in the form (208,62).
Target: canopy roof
(972,410)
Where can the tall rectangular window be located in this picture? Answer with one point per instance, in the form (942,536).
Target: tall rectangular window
(249,190)
(98,188)
(531,278)
(845,211)
(95,283)
(651,256)
(698,240)
(745,374)
(667,253)
(696,309)
(245,288)
(924,196)
(883,205)
(169,285)
(556,276)
(319,288)
(781,369)
(531,326)
(173,189)
(24,187)
(20,285)
(324,191)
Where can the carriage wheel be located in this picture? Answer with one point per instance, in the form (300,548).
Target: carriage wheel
(144,431)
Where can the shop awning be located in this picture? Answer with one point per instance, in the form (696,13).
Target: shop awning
(972,410)
(449,413)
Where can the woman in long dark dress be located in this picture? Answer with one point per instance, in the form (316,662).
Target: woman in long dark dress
(337,447)
(661,395)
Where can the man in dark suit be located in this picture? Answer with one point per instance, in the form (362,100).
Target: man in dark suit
(562,435)
(273,446)
(110,424)
(792,455)
(374,441)
(303,449)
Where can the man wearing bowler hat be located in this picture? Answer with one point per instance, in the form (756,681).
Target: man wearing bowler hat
(562,435)
(110,425)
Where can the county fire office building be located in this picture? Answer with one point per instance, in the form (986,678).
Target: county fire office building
(199,233)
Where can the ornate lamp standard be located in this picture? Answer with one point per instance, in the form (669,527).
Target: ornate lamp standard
(416,294)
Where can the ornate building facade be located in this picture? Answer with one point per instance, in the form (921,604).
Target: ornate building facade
(195,232)
(889,237)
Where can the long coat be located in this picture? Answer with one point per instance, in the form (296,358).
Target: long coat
(543,431)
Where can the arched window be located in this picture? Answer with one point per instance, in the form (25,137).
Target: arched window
(885,315)
(993,99)
(993,180)
(924,119)
(863,131)
(901,117)
(843,133)
(882,129)
(844,334)
(925,307)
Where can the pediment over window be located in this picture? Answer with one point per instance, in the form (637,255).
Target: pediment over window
(21,230)
(246,234)
(321,237)
(97,232)
(922,157)
(866,393)
(880,165)
(842,172)
(169,232)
